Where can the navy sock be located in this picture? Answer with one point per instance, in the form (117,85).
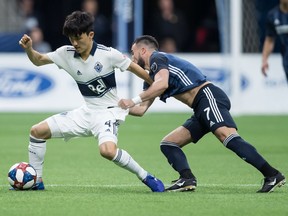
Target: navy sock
(248,153)
(176,158)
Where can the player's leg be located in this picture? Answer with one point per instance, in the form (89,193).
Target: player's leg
(108,149)
(171,147)
(233,141)
(225,129)
(39,133)
(64,125)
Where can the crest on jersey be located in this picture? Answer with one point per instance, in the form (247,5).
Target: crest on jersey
(154,67)
(98,67)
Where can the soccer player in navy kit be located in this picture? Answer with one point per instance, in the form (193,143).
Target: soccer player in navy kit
(179,78)
(92,66)
(276,26)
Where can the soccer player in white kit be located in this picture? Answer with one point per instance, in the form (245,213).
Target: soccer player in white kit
(92,66)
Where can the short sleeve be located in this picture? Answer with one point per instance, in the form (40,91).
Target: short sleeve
(59,57)
(270,28)
(119,60)
(158,61)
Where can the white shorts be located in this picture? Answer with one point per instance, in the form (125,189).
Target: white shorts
(83,122)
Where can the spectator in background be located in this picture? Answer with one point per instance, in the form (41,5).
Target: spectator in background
(168,45)
(207,34)
(8,16)
(102,26)
(28,17)
(276,26)
(17,16)
(39,44)
(169,23)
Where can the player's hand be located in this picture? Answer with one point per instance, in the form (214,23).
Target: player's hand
(126,103)
(264,68)
(25,42)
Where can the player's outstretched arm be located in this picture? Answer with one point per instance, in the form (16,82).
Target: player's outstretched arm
(141,109)
(35,57)
(159,85)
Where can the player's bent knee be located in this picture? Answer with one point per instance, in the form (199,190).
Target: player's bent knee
(108,150)
(223,132)
(40,131)
(36,132)
(229,138)
(107,154)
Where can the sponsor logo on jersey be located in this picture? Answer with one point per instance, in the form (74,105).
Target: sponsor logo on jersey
(98,67)
(98,86)
(79,73)
(16,82)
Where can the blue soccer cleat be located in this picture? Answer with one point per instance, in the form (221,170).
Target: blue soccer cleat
(154,184)
(38,186)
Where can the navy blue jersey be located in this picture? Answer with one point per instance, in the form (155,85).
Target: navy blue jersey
(277,25)
(183,75)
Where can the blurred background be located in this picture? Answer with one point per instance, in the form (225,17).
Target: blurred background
(180,26)
(222,37)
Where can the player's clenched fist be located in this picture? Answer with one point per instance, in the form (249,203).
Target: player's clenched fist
(25,42)
(126,103)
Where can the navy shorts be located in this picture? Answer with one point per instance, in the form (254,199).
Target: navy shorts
(211,110)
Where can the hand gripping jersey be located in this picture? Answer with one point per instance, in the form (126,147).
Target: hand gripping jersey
(95,76)
(183,75)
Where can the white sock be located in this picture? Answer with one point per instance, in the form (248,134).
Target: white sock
(123,159)
(37,150)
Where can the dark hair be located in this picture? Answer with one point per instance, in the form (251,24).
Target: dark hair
(78,23)
(147,40)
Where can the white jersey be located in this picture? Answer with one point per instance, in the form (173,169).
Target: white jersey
(95,77)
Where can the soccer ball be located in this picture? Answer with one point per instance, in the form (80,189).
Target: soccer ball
(22,176)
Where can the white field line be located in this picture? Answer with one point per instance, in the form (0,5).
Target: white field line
(138,185)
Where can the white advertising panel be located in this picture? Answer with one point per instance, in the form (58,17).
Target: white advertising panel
(259,94)
(27,88)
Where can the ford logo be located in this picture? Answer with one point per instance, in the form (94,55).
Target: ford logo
(23,83)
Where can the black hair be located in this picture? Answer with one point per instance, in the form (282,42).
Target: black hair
(147,40)
(78,23)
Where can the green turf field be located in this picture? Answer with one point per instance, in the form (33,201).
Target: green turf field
(80,182)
